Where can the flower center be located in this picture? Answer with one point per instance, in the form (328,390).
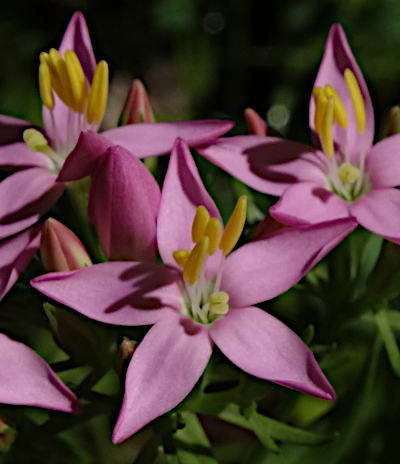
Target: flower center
(85,102)
(204,301)
(345,179)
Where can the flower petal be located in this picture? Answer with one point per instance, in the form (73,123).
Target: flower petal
(123,205)
(121,293)
(379,211)
(267,164)
(183,191)
(263,346)
(26,379)
(15,255)
(24,197)
(165,367)
(308,203)
(383,162)
(263,269)
(11,129)
(337,57)
(17,155)
(153,139)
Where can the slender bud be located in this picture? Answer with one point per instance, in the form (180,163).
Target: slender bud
(255,123)
(137,107)
(61,249)
(125,352)
(391,124)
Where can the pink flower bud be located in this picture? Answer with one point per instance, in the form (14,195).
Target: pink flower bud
(391,124)
(61,249)
(255,123)
(137,106)
(125,352)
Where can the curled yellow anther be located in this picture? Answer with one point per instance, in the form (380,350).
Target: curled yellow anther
(77,80)
(36,141)
(234,228)
(340,110)
(348,173)
(199,224)
(356,98)
(213,232)
(194,263)
(46,93)
(181,256)
(98,94)
(321,101)
(326,129)
(59,78)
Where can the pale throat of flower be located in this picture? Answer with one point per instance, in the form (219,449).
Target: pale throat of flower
(204,301)
(86,102)
(344,179)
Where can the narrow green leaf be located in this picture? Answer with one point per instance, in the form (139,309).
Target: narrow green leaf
(389,341)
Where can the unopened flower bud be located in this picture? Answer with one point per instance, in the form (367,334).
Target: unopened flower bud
(61,249)
(125,352)
(255,123)
(137,106)
(391,124)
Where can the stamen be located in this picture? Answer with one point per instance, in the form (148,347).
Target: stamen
(98,94)
(46,93)
(77,80)
(199,224)
(356,98)
(181,256)
(218,302)
(340,110)
(321,101)
(326,129)
(234,228)
(60,79)
(213,232)
(194,263)
(36,141)
(348,173)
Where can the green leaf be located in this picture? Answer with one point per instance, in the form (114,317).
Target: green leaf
(389,340)
(109,384)
(75,376)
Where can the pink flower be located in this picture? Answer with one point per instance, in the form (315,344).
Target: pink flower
(204,294)
(345,175)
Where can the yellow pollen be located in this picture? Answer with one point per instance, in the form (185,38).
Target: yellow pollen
(219,308)
(98,94)
(36,141)
(340,110)
(46,93)
(60,79)
(213,232)
(321,101)
(218,297)
(348,173)
(199,224)
(326,129)
(77,80)
(194,263)
(234,227)
(356,98)
(181,256)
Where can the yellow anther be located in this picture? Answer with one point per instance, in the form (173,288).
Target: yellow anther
(60,79)
(340,110)
(77,80)
(194,263)
(321,101)
(356,98)
(213,232)
(44,57)
(219,308)
(181,256)
(218,297)
(199,224)
(36,141)
(326,129)
(46,93)
(348,173)
(98,94)
(234,228)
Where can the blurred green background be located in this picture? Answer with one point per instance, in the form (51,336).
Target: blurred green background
(208,58)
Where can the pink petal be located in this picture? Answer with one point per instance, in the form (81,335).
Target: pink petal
(15,255)
(183,191)
(121,293)
(308,203)
(263,346)
(24,197)
(17,155)
(82,160)
(153,139)
(337,57)
(11,129)
(165,367)
(263,269)
(123,205)
(267,164)
(383,163)
(26,379)
(379,211)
